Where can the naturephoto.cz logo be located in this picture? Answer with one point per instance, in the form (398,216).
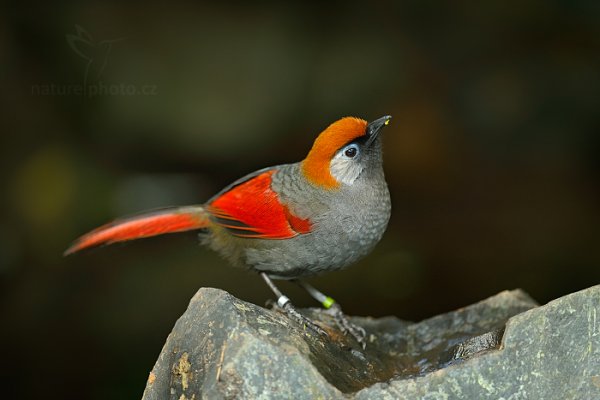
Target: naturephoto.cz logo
(96,56)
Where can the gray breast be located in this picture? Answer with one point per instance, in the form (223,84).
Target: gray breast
(347,224)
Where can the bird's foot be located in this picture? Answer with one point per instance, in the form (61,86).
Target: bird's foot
(291,311)
(286,306)
(346,326)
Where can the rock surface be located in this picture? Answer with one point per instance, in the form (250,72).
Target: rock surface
(504,347)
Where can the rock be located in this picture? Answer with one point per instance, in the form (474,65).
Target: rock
(504,347)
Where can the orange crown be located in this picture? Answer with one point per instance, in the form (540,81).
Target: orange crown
(315,166)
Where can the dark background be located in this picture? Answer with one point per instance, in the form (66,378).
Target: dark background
(492,159)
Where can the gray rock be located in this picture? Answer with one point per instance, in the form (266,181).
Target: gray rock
(504,347)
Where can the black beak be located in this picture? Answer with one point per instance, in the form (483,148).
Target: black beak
(374,127)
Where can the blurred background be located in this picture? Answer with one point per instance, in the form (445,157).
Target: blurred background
(108,108)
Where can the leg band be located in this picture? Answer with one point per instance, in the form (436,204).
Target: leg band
(328,302)
(282,301)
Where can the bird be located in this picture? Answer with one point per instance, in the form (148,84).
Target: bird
(289,221)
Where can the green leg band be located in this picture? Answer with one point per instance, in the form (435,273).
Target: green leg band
(328,302)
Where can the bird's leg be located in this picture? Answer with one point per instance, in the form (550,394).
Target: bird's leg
(335,310)
(284,303)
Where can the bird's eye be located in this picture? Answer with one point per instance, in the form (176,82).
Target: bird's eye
(351,151)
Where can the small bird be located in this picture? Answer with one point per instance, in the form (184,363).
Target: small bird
(290,221)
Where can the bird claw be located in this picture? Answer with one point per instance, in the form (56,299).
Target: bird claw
(295,315)
(347,327)
(302,320)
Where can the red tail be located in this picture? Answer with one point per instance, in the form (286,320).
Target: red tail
(169,220)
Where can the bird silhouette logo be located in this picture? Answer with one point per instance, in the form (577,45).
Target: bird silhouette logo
(94,53)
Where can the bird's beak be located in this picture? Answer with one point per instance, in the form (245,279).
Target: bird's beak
(374,127)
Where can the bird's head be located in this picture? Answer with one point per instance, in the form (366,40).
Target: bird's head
(343,151)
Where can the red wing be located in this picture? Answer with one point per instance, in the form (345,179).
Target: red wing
(252,209)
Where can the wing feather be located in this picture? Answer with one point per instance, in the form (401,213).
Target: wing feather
(250,208)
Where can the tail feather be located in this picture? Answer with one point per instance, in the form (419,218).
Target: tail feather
(169,220)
